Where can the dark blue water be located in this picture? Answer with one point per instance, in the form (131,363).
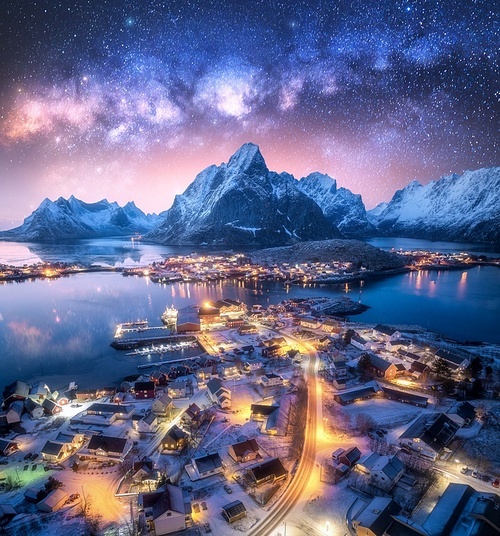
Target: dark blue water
(60,330)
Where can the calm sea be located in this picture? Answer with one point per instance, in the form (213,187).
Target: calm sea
(60,330)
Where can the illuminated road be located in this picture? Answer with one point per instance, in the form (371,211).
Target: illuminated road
(300,481)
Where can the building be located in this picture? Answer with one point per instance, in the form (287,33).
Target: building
(17,390)
(177,389)
(463,510)
(361,343)
(7,513)
(228,370)
(403,396)
(174,440)
(164,511)
(382,368)
(331,326)
(218,393)
(54,452)
(419,371)
(386,333)
(244,451)
(385,471)
(148,424)
(463,414)
(354,395)
(12,414)
(454,361)
(430,434)
(188,320)
(144,390)
(8,447)
(107,448)
(163,406)
(144,473)
(54,500)
(271,380)
(50,407)
(194,417)
(460,510)
(106,414)
(350,457)
(267,472)
(234,511)
(205,466)
(34,409)
(375,517)
(260,412)
(39,391)
(309,322)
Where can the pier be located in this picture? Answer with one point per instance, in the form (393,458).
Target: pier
(131,344)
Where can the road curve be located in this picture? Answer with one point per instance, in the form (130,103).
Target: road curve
(300,480)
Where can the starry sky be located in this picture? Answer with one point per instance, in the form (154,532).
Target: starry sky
(130,99)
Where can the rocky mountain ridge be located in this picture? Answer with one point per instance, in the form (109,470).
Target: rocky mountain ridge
(243,203)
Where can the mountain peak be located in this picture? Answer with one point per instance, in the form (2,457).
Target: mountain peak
(248,155)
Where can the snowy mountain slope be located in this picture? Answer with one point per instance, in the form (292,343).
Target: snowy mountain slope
(66,219)
(242,203)
(343,209)
(457,208)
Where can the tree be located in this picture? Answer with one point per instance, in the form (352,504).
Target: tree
(475,367)
(364,364)
(364,422)
(441,368)
(476,390)
(52,484)
(489,372)
(349,334)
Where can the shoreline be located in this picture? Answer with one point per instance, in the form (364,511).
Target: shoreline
(56,272)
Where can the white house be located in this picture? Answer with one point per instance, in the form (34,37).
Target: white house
(148,424)
(164,511)
(54,500)
(218,393)
(271,380)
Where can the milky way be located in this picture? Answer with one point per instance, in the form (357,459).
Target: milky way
(130,99)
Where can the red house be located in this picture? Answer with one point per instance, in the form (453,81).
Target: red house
(144,390)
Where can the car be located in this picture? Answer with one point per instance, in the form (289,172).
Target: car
(27,456)
(485,478)
(474,474)
(26,467)
(34,466)
(74,496)
(379,433)
(371,435)
(3,462)
(227,489)
(496,483)
(384,431)
(464,470)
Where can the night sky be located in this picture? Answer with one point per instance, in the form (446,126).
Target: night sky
(129,100)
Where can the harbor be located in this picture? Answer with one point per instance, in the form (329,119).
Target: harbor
(164,348)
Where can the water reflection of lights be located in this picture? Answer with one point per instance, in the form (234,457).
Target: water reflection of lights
(462,285)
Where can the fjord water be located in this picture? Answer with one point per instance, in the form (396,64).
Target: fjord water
(60,330)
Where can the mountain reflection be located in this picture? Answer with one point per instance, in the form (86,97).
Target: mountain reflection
(88,252)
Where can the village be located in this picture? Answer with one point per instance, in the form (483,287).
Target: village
(214,267)
(209,444)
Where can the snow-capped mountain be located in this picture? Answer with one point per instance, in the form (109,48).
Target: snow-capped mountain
(66,219)
(456,208)
(343,209)
(242,203)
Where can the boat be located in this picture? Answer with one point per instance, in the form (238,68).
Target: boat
(169,316)
(137,324)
